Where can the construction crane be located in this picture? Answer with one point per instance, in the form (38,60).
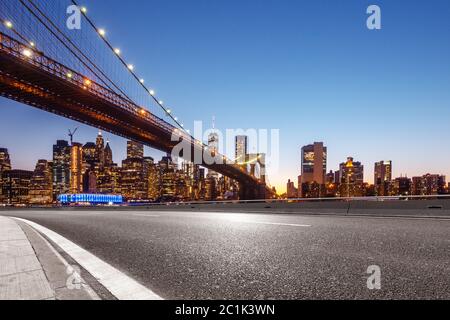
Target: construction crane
(71,134)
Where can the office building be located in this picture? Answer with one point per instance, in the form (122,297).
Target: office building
(382,177)
(61,168)
(352,178)
(313,170)
(41,184)
(76,168)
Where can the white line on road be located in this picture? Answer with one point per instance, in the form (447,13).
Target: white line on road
(146,215)
(282,224)
(119,284)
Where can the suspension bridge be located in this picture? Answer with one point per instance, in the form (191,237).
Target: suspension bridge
(78,74)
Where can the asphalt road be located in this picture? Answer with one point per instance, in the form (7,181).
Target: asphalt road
(187,255)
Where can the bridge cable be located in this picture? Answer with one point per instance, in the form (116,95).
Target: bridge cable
(158,102)
(67,47)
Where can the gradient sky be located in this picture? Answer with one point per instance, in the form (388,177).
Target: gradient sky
(309,68)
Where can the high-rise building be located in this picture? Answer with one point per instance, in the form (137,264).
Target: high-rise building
(151,178)
(76,168)
(167,179)
(5,161)
(135,150)
(241,149)
(108,155)
(291,190)
(99,152)
(41,185)
(133,183)
(401,187)
(61,168)
(352,178)
(429,184)
(5,165)
(314,168)
(16,186)
(90,155)
(213,149)
(109,180)
(382,177)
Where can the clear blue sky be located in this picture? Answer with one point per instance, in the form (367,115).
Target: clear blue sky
(309,68)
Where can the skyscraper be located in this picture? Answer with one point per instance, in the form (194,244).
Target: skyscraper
(41,185)
(90,155)
(213,149)
(314,168)
(100,149)
(382,177)
(133,182)
(5,165)
(291,190)
(167,181)
(401,187)
(135,150)
(76,168)
(5,161)
(16,186)
(241,149)
(352,178)
(61,168)
(108,155)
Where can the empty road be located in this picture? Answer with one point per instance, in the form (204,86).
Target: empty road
(206,255)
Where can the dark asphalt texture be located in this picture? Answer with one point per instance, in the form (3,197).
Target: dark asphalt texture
(187,255)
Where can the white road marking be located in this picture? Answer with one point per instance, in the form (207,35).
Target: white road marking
(281,224)
(117,283)
(146,215)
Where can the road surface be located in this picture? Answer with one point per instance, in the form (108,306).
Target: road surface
(201,255)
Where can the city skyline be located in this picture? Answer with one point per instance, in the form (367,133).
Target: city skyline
(308,96)
(315,180)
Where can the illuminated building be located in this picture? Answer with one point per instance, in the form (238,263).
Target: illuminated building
(151,176)
(61,168)
(108,180)
(135,150)
(108,155)
(211,188)
(352,178)
(41,185)
(5,165)
(382,177)
(401,187)
(314,167)
(213,148)
(5,161)
(99,149)
(16,186)
(241,149)
(133,184)
(76,168)
(429,184)
(89,181)
(90,155)
(167,179)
